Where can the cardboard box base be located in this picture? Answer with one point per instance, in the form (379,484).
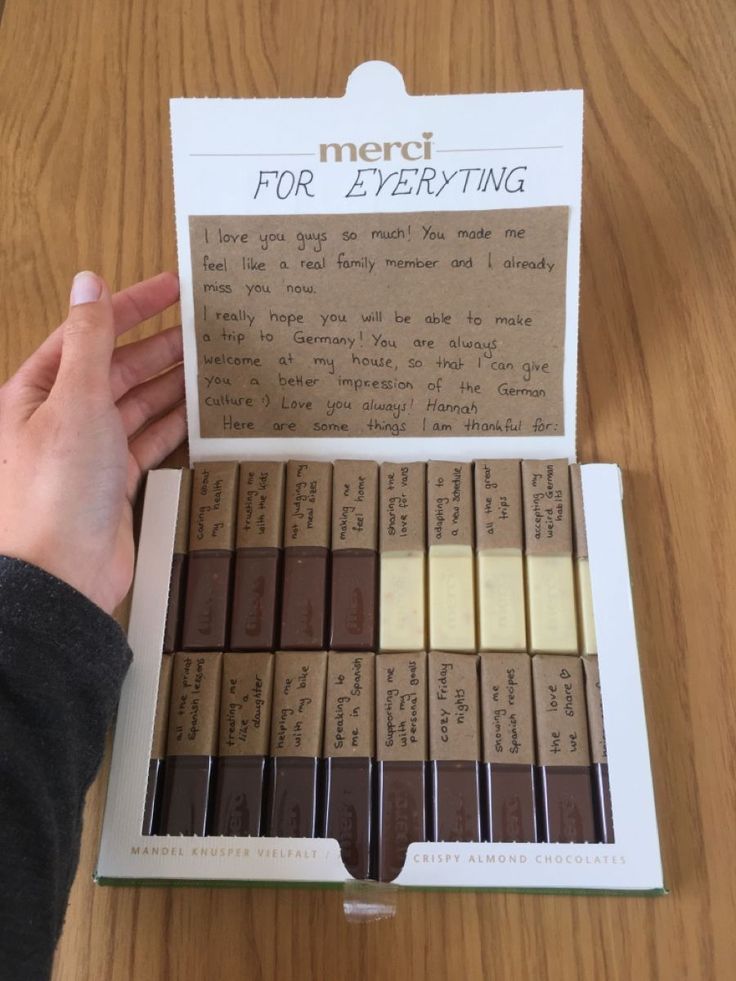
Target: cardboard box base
(630,866)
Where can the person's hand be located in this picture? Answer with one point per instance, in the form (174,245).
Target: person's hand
(80,422)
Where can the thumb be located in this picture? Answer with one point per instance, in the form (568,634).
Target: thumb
(88,335)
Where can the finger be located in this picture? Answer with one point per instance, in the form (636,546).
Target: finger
(152,399)
(88,337)
(151,447)
(135,363)
(144,300)
(131,307)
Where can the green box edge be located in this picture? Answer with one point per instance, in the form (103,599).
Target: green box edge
(102,880)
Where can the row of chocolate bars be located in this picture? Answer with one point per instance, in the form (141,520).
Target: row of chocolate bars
(379,751)
(402,557)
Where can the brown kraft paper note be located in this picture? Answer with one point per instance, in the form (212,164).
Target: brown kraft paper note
(181,536)
(508,708)
(260,505)
(454,732)
(449,503)
(161,719)
(245,704)
(578,512)
(421,324)
(547,507)
(350,705)
(308,504)
(195,703)
(401,706)
(298,703)
(403,504)
(354,504)
(598,751)
(498,512)
(212,520)
(559,700)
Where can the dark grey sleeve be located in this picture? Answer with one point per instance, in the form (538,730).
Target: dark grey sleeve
(62,662)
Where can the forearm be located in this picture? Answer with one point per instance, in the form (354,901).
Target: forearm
(62,661)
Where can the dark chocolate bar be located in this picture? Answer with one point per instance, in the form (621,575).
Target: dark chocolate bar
(191,744)
(238,805)
(401,802)
(598,752)
(567,804)
(509,753)
(563,752)
(245,722)
(349,748)
(297,720)
(401,750)
(455,800)
(178,578)
(156,764)
(512,802)
(293,797)
(186,803)
(603,805)
(454,746)
(348,813)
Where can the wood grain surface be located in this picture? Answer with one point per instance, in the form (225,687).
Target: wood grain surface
(86,183)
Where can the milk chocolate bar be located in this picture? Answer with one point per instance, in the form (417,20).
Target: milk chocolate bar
(211,538)
(258,541)
(353,621)
(306,555)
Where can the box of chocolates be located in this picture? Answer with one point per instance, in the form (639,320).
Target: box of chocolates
(382,624)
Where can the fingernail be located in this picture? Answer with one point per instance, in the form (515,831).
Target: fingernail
(86,288)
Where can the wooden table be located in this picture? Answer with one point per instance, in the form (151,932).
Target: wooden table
(87,184)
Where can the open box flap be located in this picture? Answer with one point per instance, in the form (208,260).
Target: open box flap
(367,162)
